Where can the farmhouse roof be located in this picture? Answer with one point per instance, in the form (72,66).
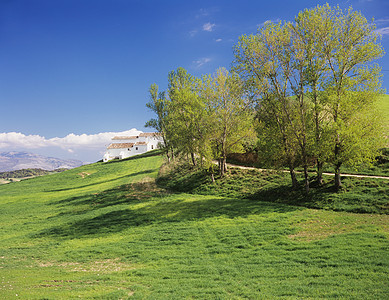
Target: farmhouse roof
(147,134)
(124,137)
(140,143)
(120,145)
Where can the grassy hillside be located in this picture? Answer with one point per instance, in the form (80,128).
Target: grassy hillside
(361,195)
(107,231)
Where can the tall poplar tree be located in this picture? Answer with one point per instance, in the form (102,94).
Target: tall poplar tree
(312,32)
(159,105)
(352,88)
(266,62)
(187,113)
(315,79)
(231,116)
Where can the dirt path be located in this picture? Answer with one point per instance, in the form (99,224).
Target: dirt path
(325,173)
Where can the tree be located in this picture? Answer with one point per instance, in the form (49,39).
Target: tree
(276,144)
(315,76)
(187,114)
(231,120)
(265,62)
(352,88)
(312,30)
(159,105)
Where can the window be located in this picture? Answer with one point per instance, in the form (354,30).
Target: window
(152,146)
(136,148)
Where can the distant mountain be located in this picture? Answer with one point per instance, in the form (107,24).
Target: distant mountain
(10,161)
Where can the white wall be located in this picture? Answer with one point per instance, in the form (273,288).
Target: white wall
(152,143)
(141,149)
(116,153)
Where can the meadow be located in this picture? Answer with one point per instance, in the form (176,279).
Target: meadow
(107,231)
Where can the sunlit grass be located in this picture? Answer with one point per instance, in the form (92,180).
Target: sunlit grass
(114,234)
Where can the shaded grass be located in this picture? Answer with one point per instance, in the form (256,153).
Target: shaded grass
(116,235)
(380,167)
(363,195)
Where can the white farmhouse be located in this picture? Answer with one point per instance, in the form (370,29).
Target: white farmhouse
(126,146)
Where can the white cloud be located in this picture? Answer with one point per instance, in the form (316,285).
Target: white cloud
(383,23)
(203,12)
(86,147)
(72,143)
(218,40)
(202,61)
(208,26)
(206,12)
(17,139)
(383,31)
(269,21)
(381,20)
(193,33)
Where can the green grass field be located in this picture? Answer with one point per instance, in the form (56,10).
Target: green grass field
(106,231)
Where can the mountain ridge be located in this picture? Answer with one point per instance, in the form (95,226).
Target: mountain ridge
(17,160)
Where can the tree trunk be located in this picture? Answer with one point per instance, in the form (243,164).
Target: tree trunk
(319,172)
(212,178)
(222,169)
(293,177)
(168,156)
(193,159)
(305,166)
(290,162)
(306,180)
(292,174)
(319,164)
(338,183)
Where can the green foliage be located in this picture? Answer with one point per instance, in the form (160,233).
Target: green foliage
(205,118)
(382,106)
(316,87)
(160,106)
(231,115)
(187,119)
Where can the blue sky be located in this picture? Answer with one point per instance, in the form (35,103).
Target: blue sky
(77,69)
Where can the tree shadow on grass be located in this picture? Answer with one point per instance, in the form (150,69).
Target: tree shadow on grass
(105,181)
(350,199)
(157,210)
(285,194)
(184,179)
(125,194)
